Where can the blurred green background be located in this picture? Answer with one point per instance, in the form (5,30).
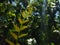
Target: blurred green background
(29,22)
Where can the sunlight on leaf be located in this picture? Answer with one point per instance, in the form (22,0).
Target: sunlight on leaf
(52,43)
(11,13)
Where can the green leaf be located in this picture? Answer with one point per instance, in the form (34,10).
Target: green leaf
(9,42)
(23,35)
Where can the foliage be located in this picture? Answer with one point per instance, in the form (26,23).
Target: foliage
(22,20)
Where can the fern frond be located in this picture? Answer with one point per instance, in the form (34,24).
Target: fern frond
(23,27)
(23,35)
(21,21)
(14,35)
(16,28)
(9,42)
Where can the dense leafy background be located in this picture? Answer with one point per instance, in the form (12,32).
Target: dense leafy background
(24,19)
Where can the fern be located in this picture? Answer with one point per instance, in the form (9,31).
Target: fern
(22,27)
